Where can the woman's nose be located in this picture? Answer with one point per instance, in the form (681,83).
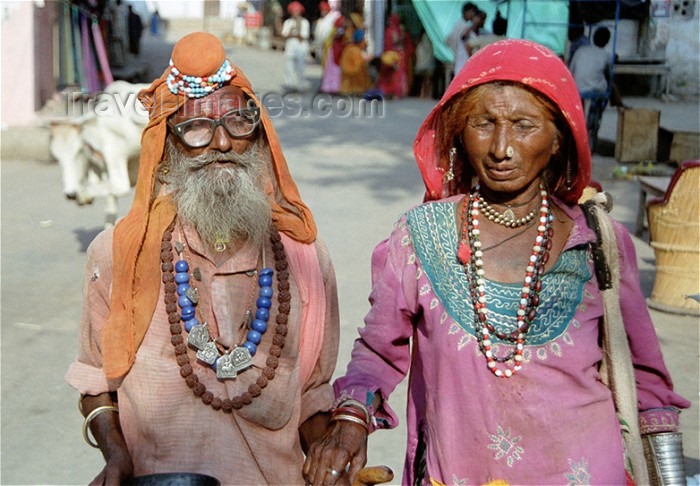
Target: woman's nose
(499,144)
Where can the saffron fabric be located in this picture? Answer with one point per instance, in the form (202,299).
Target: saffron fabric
(168,429)
(552,423)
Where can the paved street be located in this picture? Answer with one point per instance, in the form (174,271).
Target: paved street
(357,174)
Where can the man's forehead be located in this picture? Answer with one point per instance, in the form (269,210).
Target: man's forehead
(217,103)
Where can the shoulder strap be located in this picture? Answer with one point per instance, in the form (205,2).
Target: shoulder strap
(616,370)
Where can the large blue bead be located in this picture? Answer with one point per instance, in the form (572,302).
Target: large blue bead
(266,271)
(187,313)
(184,301)
(181,266)
(182,288)
(254,337)
(262,314)
(190,324)
(258,325)
(266,292)
(265,281)
(250,347)
(182,277)
(263,302)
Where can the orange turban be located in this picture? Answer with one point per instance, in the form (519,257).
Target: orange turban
(137,237)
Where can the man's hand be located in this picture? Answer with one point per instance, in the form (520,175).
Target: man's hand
(343,443)
(115,471)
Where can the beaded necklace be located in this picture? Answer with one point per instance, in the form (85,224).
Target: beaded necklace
(264,303)
(532,285)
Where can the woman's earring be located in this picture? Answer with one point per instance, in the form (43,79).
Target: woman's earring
(510,152)
(450,175)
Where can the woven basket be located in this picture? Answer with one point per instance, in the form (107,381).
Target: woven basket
(674,233)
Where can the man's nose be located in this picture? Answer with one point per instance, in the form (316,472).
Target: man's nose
(220,141)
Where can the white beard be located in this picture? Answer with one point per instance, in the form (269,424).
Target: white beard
(221,202)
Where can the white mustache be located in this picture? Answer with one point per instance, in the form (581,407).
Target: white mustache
(244,159)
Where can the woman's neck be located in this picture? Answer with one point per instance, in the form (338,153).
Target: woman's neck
(523,200)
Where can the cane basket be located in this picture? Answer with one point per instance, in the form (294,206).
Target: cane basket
(674,234)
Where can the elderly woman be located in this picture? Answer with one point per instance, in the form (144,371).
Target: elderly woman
(487,295)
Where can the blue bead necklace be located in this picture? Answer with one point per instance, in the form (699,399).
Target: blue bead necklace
(226,363)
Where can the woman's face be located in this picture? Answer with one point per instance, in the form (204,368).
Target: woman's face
(509,116)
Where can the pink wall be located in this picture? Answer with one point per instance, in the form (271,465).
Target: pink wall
(26,58)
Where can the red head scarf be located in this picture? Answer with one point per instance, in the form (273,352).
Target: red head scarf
(137,237)
(519,61)
(295,7)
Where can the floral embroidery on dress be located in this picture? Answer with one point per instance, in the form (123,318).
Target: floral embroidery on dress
(464,341)
(434,303)
(454,329)
(425,288)
(506,445)
(419,273)
(580,474)
(405,240)
(411,259)
(555,348)
(541,354)
(566,337)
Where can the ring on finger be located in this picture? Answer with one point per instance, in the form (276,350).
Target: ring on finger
(333,472)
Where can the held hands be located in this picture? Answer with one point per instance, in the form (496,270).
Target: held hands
(344,442)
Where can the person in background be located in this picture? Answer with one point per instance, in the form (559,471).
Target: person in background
(155,23)
(119,33)
(335,44)
(487,297)
(459,35)
(210,324)
(323,30)
(354,69)
(296,31)
(135,31)
(396,59)
(499,28)
(590,68)
(425,67)
(577,38)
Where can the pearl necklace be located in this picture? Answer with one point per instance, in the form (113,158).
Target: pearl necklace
(530,292)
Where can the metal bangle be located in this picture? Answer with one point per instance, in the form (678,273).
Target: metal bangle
(355,403)
(350,418)
(90,417)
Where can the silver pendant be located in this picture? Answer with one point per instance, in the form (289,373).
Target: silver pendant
(199,336)
(208,353)
(508,215)
(192,294)
(241,358)
(225,369)
(179,247)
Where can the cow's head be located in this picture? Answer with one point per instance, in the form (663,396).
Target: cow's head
(66,146)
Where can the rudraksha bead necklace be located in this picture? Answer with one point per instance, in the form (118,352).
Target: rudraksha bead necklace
(174,318)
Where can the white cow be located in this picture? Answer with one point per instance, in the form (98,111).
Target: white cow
(98,152)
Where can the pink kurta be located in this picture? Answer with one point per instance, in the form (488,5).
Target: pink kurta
(168,429)
(552,423)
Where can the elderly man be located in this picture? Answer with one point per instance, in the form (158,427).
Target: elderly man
(210,319)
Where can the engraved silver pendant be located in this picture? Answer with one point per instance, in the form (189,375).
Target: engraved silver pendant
(208,353)
(192,294)
(225,368)
(199,336)
(241,358)
(509,215)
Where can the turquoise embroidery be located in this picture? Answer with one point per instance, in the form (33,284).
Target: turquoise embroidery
(580,473)
(434,237)
(506,445)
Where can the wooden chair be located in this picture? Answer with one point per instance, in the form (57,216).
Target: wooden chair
(674,233)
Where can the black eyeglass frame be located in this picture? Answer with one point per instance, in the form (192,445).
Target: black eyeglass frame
(178,128)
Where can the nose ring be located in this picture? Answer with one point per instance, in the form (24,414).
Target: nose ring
(509,152)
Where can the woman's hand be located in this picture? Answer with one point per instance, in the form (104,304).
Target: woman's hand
(344,442)
(117,469)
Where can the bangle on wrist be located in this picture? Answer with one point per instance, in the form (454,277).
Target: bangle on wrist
(356,404)
(350,418)
(90,417)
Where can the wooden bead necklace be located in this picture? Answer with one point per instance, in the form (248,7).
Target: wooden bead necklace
(472,259)
(226,405)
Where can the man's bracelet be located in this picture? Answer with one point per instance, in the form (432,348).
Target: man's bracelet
(350,418)
(90,417)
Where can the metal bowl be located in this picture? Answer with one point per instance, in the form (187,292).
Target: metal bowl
(172,479)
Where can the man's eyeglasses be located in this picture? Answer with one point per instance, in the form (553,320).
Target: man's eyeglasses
(199,132)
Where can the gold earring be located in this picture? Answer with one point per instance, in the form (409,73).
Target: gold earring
(509,152)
